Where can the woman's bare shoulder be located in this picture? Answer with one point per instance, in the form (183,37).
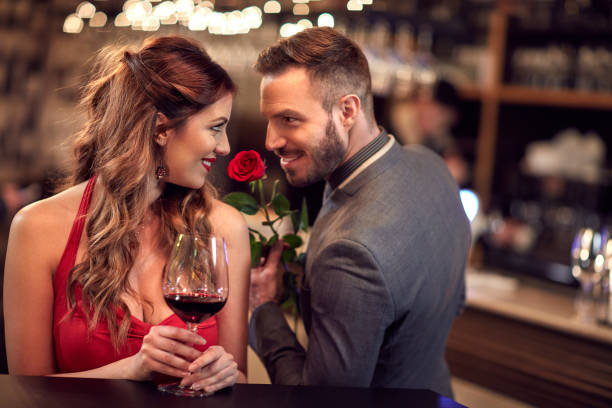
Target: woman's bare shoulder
(226,220)
(49,219)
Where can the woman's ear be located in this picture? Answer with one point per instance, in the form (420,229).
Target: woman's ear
(349,106)
(161,137)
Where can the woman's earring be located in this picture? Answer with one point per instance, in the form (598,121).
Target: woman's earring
(161,172)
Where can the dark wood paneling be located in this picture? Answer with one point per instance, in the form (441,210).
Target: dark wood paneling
(530,363)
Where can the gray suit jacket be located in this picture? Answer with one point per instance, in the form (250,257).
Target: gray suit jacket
(384,281)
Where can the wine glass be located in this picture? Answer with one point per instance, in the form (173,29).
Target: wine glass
(585,255)
(195,286)
(603,270)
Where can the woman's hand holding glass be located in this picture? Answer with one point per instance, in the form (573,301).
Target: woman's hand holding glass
(166,350)
(213,370)
(169,351)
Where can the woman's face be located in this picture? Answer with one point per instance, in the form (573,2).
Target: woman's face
(191,150)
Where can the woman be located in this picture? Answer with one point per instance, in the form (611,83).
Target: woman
(82,289)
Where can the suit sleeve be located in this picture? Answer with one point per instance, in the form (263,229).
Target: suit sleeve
(351,310)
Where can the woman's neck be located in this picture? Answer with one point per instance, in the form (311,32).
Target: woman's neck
(154,190)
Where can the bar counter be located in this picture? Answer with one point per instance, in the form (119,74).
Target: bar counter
(51,392)
(533,301)
(521,337)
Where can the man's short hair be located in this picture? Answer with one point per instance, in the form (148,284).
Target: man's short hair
(333,61)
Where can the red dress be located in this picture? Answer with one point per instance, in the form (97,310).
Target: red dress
(75,348)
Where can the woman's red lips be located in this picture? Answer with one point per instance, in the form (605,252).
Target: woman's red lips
(208,162)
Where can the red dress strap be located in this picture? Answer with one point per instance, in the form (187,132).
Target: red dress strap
(70,252)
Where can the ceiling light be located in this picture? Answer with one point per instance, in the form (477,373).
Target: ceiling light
(85,10)
(98,20)
(121,20)
(150,23)
(305,23)
(301,10)
(325,20)
(272,7)
(288,29)
(73,24)
(354,5)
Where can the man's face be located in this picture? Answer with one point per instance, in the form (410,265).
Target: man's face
(300,131)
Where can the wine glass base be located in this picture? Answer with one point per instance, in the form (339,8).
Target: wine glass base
(176,389)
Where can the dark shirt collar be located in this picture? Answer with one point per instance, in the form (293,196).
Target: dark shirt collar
(345,170)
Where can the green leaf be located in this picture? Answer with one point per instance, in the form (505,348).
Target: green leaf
(293,240)
(256,247)
(289,255)
(295,222)
(272,240)
(304,216)
(242,202)
(275,188)
(280,204)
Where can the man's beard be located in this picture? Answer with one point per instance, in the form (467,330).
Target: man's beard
(326,157)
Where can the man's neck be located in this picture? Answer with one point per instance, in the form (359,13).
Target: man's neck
(362,133)
(346,169)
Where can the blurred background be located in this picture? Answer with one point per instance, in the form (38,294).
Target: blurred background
(514,95)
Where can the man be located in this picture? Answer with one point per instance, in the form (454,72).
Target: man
(384,275)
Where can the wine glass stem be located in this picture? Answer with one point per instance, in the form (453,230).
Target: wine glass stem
(192,327)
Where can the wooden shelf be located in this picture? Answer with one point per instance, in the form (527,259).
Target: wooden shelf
(553,97)
(523,95)
(471,92)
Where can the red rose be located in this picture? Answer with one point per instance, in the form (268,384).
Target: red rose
(246,166)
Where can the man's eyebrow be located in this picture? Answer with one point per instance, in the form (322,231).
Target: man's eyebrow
(286,112)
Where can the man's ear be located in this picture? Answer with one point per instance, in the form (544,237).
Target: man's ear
(161,137)
(349,106)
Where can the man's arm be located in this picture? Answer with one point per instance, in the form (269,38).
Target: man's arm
(276,345)
(269,335)
(351,309)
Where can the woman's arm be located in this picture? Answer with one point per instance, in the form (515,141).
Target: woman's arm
(28,292)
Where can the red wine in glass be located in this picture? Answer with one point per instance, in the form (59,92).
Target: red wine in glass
(194,307)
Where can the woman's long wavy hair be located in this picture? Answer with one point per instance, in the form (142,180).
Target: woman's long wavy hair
(172,75)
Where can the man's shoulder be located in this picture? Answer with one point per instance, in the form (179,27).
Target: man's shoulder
(414,172)
(422,159)
(395,178)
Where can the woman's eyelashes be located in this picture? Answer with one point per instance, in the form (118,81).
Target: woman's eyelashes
(218,127)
